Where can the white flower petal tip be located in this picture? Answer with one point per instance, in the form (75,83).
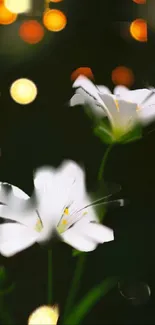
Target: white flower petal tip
(42,176)
(104,90)
(99,233)
(77,99)
(121,91)
(82,81)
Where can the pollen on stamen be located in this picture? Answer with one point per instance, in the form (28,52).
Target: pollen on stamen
(66,211)
(64,222)
(138,108)
(117,105)
(39,226)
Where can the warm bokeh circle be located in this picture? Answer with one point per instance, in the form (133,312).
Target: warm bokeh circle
(23,91)
(31,31)
(140,2)
(6,17)
(54,20)
(123,76)
(138,30)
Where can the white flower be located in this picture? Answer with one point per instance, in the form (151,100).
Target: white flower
(124,107)
(62,204)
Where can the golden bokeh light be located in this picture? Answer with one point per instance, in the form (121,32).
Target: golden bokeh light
(23,91)
(138,30)
(31,32)
(54,20)
(17,6)
(56,1)
(140,2)
(44,315)
(6,17)
(123,76)
(85,71)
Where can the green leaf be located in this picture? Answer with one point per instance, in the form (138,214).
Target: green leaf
(81,309)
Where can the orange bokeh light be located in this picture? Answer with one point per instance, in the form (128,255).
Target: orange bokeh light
(6,16)
(54,20)
(138,30)
(56,0)
(31,32)
(85,71)
(140,2)
(123,76)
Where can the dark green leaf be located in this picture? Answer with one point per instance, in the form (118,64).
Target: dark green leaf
(85,305)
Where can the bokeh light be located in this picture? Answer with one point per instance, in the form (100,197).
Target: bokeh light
(85,71)
(56,0)
(31,32)
(138,30)
(44,315)
(54,20)
(140,2)
(123,76)
(136,292)
(6,17)
(23,91)
(17,6)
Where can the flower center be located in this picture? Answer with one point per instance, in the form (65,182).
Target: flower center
(67,220)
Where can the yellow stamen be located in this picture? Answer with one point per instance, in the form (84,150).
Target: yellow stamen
(64,222)
(38,226)
(117,105)
(66,211)
(138,108)
(84,214)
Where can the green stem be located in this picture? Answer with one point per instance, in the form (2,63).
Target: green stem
(75,285)
(49,276)
(104,160)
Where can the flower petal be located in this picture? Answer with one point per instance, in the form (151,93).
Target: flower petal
(78,241)
(89,94)
(95,231)
(121,91)
(27,219)
(57,189)
(135,96)
(77,99)
(88,86)
(120,112)
(104,90)
(147,114)
(17,192)
(45,186)
(15,238)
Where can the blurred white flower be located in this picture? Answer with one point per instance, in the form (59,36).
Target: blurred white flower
(62,204)
(124,108)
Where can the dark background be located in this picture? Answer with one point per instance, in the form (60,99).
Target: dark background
(47,131)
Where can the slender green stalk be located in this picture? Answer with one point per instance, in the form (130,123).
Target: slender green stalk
(103,163)
(75,285)
(49,276)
